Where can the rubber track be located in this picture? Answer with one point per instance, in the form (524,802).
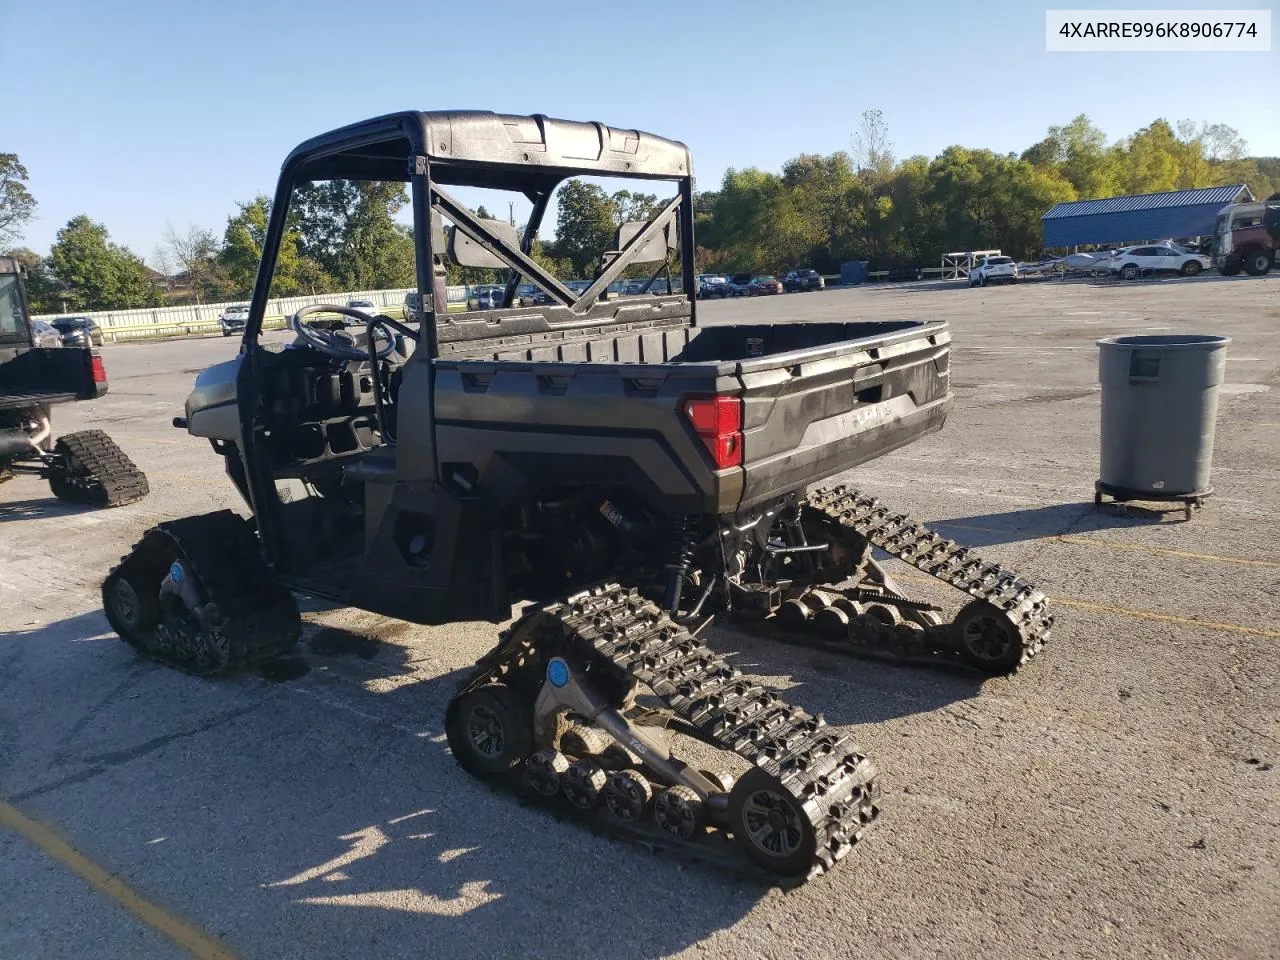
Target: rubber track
(98,472)
(1019,600)
(255,614)
(614,629)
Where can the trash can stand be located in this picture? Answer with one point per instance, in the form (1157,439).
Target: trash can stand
(1178,376)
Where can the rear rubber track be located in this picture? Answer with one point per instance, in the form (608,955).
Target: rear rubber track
(95,471)
(617,636)
(250,617)
(1009,601)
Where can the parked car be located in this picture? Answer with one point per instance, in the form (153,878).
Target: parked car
(233,320)
(527,294)
(994,270)
(797,281)
(487,297)
(365,306)
(713,285)
(43,334)
(78,331)
(658,287)
(1134,262)
(412,307)
(765,285)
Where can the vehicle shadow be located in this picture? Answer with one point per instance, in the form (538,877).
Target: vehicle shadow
(40,508)
(1060,519)
(326,814)
(845,689)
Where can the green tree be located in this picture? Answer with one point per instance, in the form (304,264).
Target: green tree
(42,287)
(586,221)
(242,244)
(348,228)
(915,210)
(17,206)
(1078,151)
(1155,160)
(824,209)
(97,274)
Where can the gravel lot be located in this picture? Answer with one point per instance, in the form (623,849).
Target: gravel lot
(1118,798)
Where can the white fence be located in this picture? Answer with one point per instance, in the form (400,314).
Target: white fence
(193,320)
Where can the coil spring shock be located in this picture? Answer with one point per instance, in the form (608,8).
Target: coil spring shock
(680,546)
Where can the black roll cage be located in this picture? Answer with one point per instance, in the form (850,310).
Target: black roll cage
(396,147)
(531,155)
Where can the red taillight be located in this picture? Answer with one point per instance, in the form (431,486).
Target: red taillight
(99,370)
(718,421)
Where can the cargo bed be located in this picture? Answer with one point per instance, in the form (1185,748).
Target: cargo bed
(45,376)
(817,398)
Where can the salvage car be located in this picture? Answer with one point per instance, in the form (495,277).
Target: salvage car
(78,331)
(765,286)
(798,281)
(994,270)
(1135,262)
(232,320)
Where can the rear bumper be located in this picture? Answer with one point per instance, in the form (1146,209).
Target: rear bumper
(833,446)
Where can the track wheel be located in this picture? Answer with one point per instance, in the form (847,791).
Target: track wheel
(543,772)
(793,614)
(583,741)
(680,812)
(583,783)
(987,639)
(910,639)
(771,825)
(833,622)
(889,615)
(488,731)
(627,794)
(132,606)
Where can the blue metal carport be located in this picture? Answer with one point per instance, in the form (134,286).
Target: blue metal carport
(1145,217)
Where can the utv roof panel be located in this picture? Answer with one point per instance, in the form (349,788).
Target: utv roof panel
(478,147)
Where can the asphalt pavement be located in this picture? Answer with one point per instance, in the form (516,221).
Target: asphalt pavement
(1116,798)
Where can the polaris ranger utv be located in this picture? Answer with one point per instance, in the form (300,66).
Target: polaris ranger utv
(83,467)
(624,469)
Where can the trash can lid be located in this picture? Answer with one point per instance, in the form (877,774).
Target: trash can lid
(1171,341)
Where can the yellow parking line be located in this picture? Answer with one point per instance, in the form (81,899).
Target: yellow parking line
(1135,547)
(1128,611)
(1166,617)
(196,942)
(1164,552)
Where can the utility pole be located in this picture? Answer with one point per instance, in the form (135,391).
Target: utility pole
(511,212)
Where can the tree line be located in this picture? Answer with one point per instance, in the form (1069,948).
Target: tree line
(862,204)
(818,211)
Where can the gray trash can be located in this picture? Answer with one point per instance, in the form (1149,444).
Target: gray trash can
(1159,409)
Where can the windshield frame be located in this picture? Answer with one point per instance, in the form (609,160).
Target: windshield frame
(11,287)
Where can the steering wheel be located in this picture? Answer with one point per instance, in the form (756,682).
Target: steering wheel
(337,342)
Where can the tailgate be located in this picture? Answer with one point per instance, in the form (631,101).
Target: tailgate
(48,375)
(812,413)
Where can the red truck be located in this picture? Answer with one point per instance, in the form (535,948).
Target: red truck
(1247,236)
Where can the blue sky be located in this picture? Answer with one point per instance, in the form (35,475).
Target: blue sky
(141,113)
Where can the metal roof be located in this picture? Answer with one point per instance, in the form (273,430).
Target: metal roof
(1149,201)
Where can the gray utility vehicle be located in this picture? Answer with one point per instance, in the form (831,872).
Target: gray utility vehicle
(626,470)
(82,467)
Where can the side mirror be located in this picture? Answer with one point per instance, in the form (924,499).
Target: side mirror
(465,252)
(655,249)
